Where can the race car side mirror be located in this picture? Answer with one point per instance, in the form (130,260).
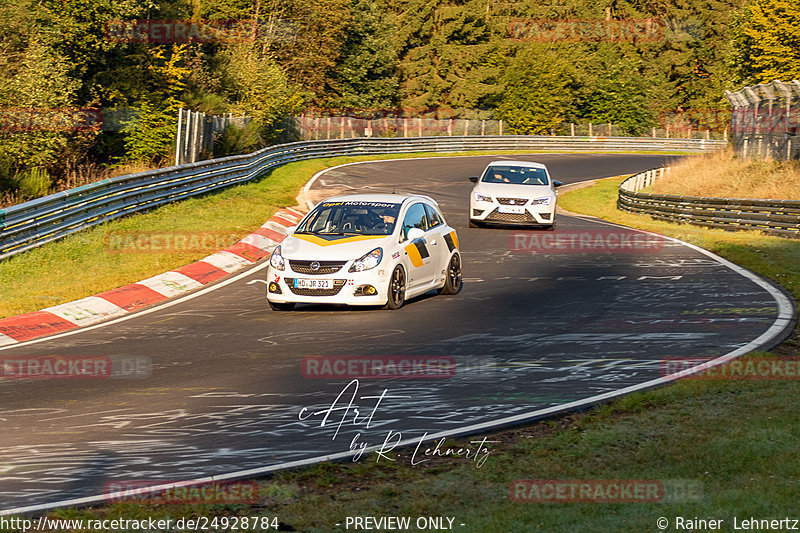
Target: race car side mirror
(557,183)
(414,234)
(474,179)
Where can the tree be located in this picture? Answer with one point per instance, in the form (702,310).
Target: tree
(366,75)
(150,134)
(259,87)
(537,95)
(612,90)
(31,142)
(768,40)
(448,56)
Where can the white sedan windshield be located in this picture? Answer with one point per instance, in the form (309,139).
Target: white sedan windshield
(515,175)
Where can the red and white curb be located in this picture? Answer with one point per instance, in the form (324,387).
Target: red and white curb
(124,300)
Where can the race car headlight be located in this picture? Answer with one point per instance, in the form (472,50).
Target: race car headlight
(541,201)
(276,259)
(370,260)
(482,198)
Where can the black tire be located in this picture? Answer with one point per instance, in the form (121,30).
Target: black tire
(453,280)
(280,307)
(396,294)
(473,224)
(551,227)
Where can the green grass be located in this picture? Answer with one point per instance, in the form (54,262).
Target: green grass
(739,440)
(57,272)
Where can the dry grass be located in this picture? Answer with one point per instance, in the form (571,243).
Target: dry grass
(130,168)
(722,174)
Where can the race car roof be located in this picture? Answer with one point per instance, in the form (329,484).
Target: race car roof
(383,198)
(517,164)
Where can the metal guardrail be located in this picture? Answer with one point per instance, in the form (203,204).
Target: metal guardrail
(52,217)
(777,217)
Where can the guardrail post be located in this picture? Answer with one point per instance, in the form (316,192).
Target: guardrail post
(178,137)
(193,145)
(590,129)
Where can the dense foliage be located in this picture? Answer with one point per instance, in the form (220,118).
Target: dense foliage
(535,64)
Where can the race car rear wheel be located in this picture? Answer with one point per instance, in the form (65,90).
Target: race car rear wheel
(396,296)
(280,307)
(453,280)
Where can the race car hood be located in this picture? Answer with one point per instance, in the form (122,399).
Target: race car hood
(331,247)
(508,190)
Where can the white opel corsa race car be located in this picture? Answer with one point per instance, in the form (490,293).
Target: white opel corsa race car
(366,249)
(513,192)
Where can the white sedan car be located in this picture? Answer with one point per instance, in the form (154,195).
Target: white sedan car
(366,249)
(514,192)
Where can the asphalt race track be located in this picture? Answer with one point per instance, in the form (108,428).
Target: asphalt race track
(529,331)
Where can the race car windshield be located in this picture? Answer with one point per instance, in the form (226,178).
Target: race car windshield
(357,218)
(515,175)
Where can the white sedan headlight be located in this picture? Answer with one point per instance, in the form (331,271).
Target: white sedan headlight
(482,198)
(276,259)
(365,262)
(541,201)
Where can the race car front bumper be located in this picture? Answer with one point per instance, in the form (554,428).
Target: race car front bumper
(349,288)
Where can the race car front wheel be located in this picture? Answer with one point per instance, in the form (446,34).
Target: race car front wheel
(453,280)
(397,289)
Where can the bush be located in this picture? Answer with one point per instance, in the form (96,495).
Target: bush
(34,182)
